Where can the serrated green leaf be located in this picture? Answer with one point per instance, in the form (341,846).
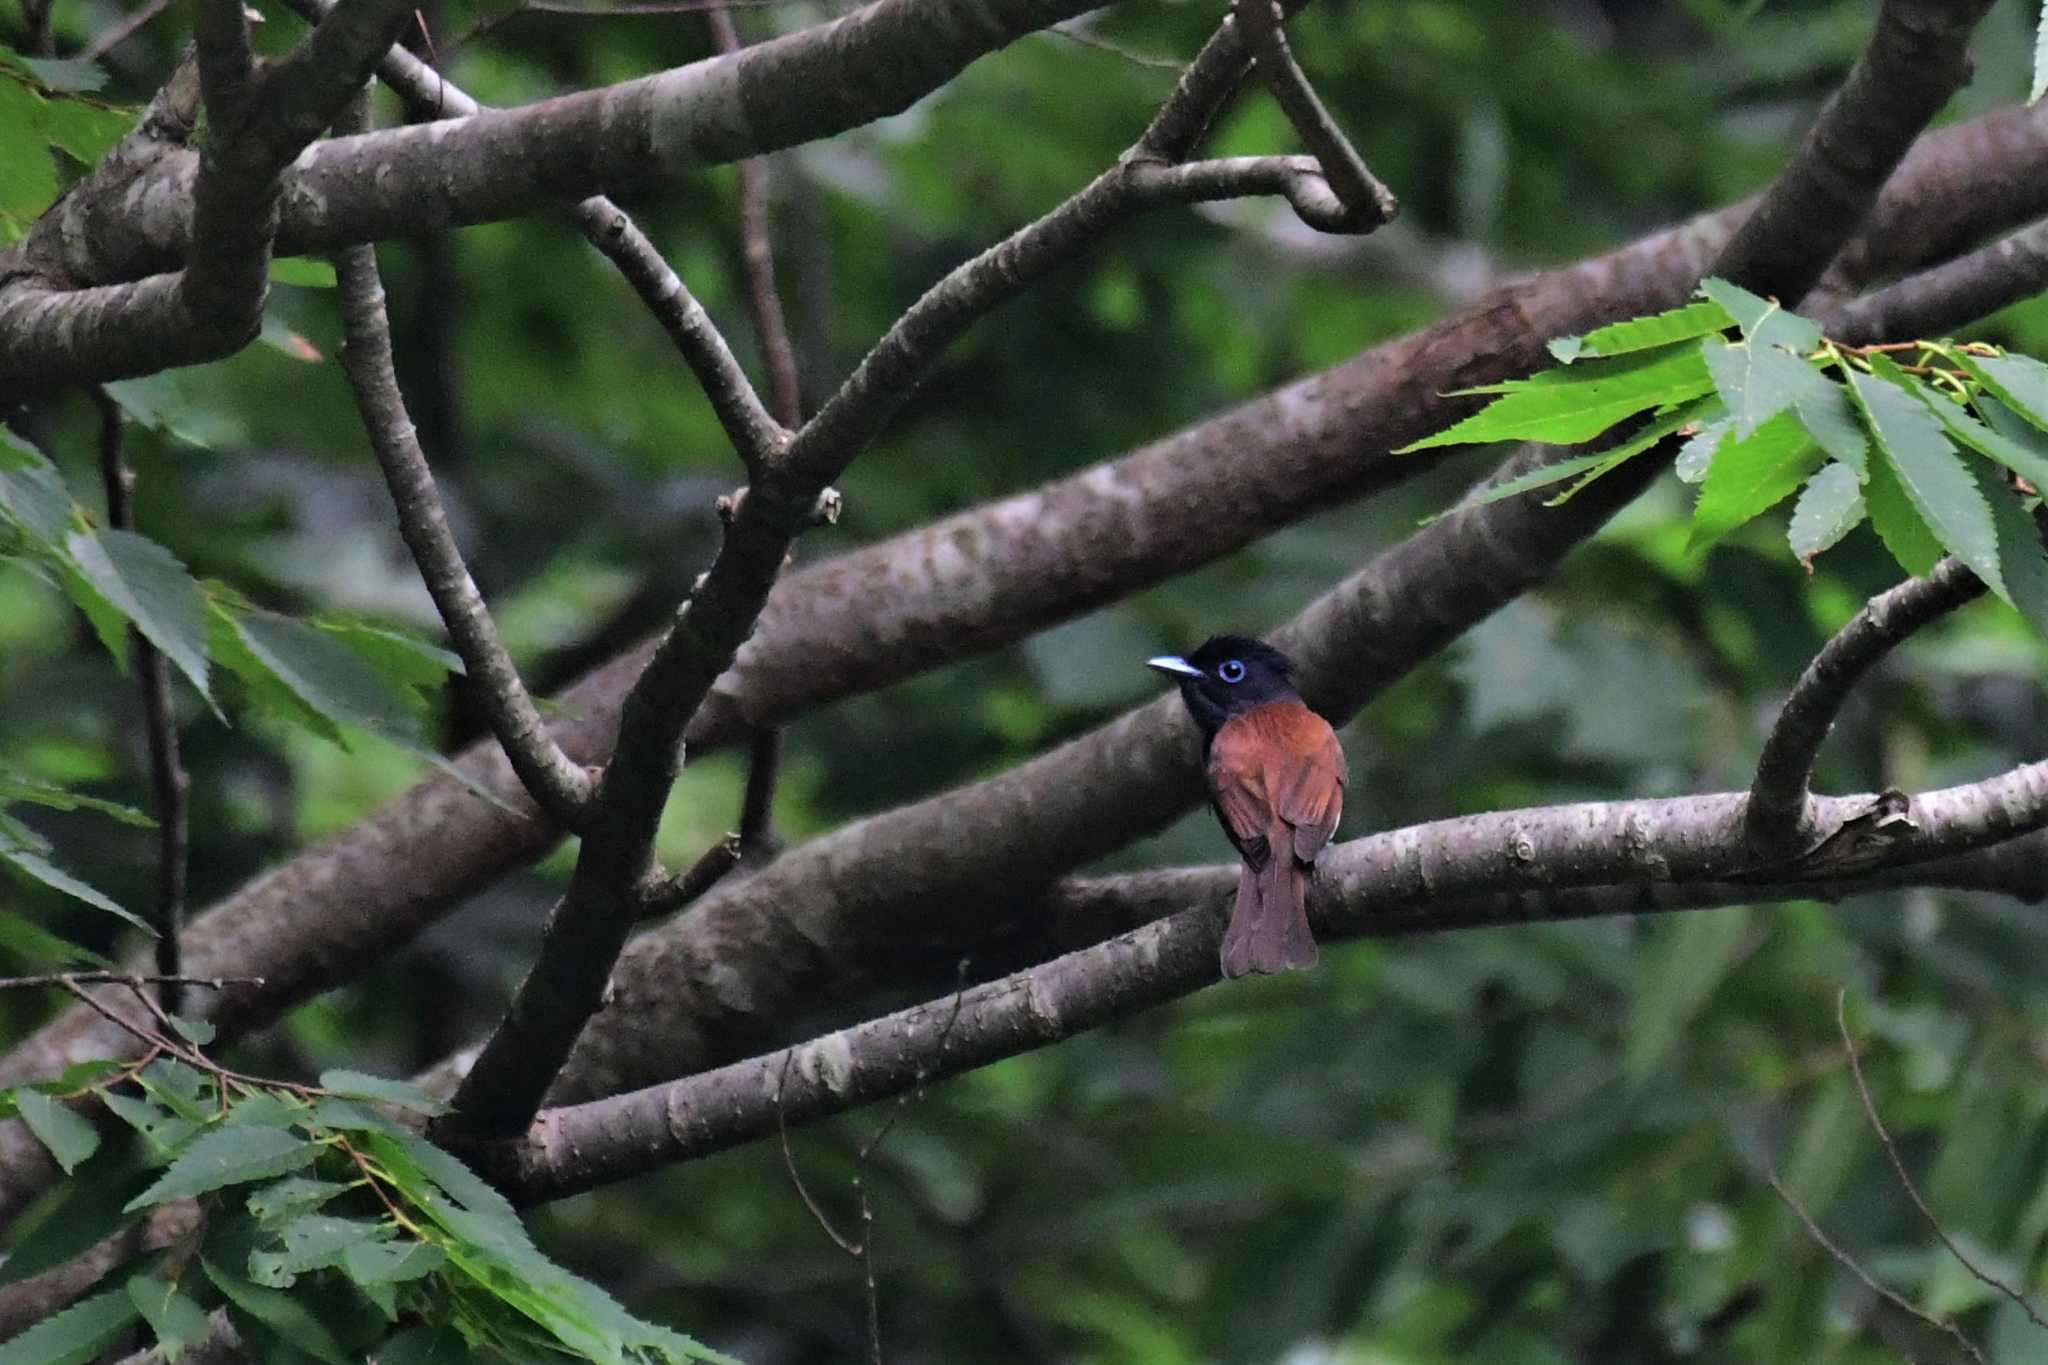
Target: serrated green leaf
(305,272)
(19,786)
(1762,320)
(1749,476)
(177,1320)
(152,590)
(1695,319)
(1829,509)
(229,1156)
(279,1311)
(312,1242)
(292,1196)
(33,498)
(164,1130)
(403,1152)
(1929,470)
(327,675)
(80,1332)
(268,1109)
(70,1138)
(2022,459)
(38,945)
(2019,383)
(399,657)
(1652,432)
(2022,564)
(1824,409)
(183,1089)
(89,1208)
(197,1032)
(359,1086)
(1697,454)
(391,1262)
(1755,382)
(266,691)
(86,129)
(40,868)
(1563,407)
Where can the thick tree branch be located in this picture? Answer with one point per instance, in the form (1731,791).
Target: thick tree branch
(495,164)
(1426,878)
(1779,819)
(993,574)
(560,787)
(1954,293)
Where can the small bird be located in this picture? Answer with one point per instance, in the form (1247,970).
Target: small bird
(1276,780)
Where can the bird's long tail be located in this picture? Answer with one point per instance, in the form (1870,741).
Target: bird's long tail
(1269,928)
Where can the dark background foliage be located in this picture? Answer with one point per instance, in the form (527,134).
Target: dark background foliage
(1536,1145)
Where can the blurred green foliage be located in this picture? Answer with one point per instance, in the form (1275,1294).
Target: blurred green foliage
(1538,1145)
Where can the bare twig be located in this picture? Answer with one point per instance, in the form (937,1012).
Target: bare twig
(1779,818)
(1850,1264)
(130,979)
(666,895)
(1891,1151)
(119,32)
(560,787)
(168,779)
(1367,202)
(757,802)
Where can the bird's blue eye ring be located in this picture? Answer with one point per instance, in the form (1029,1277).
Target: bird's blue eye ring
(1231,671)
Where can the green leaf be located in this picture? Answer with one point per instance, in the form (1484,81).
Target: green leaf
(2014,380)
(404,1094)
(81,1331)
(89,1208)
(160,403)
(1829,509)
(28,176)
(1586,401)
(1756,382)
(312,1242)
(197,1032)
(70,1138)
(400,1150)
(185,1090)
(229,1156)
(1697,454)
(2021,562)
(35,865)
(177,1321)
(65,73)
(293,1196)
(85,129)
(327,675)
(441,1344)
(306,272)
(1897,524)
(266,690)
(399,657)
(1653,432)
(33,497)
(152,589)
(391,1262)
(1830,419)
(38,945)
(19,786)
(1542,477)
(1749,476)
(279,1311)
(2022,459)
(1695,319)
(164,1130)
(1933,476)
(1762,321)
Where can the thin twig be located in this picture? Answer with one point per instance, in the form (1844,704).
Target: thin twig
(1778,818)
(1891,1151)
(1138,59)
(66,979)
(556,783)
(122,30)
(168,779)
(839,1240)
(666,895)
(1849,1262)
(758,840)
(1370,203)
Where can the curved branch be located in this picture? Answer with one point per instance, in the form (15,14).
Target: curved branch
(1363,202)
(557,785)
(1424,879)
(1954,293)
(1779,815)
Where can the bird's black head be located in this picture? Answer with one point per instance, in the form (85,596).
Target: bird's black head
(1229,674)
